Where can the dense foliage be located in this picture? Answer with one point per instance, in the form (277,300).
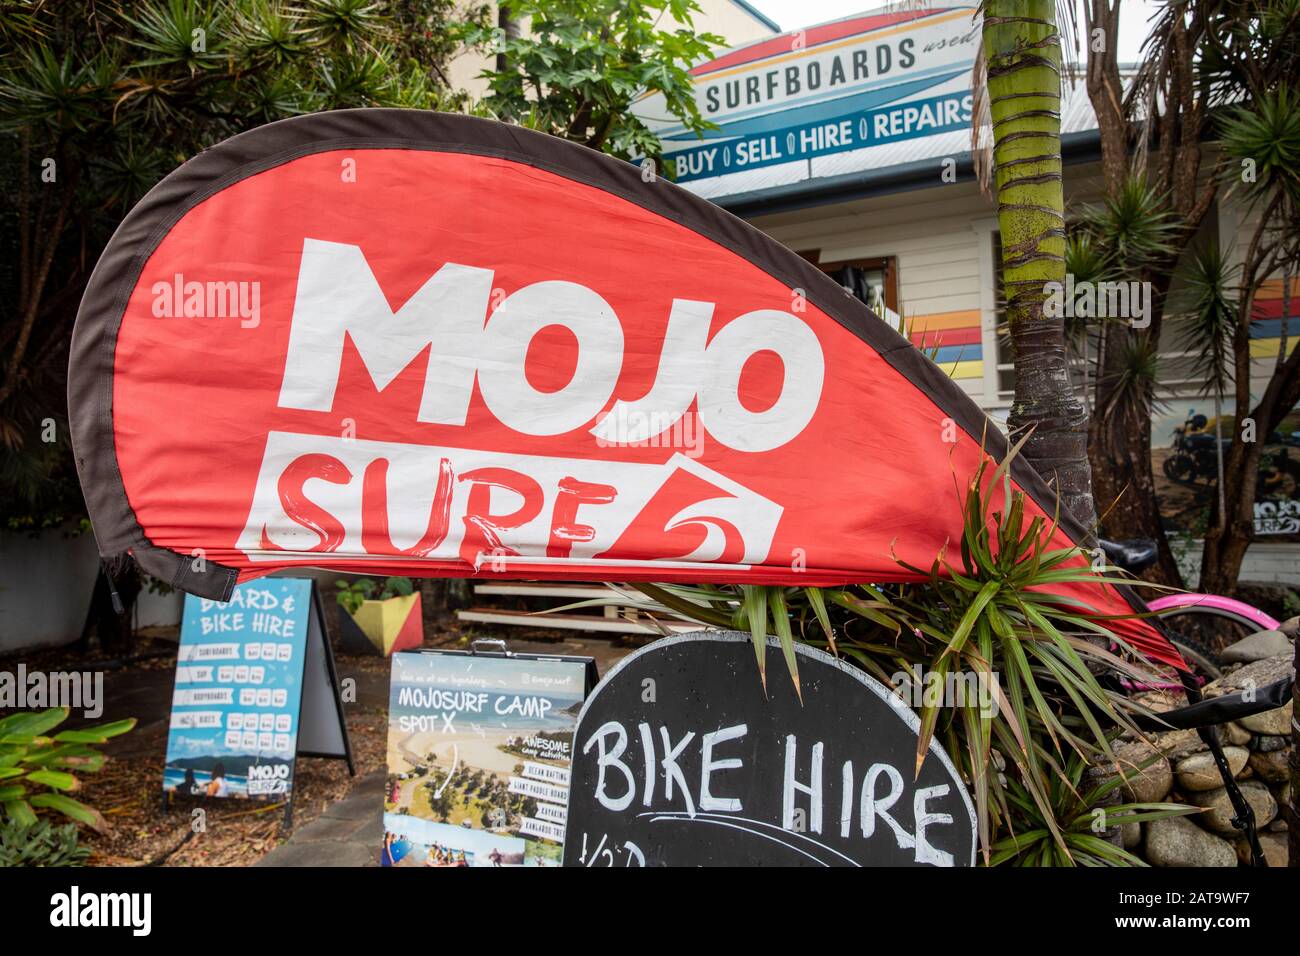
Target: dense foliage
(100,100)
(990,610)
(580,65)
(40,844)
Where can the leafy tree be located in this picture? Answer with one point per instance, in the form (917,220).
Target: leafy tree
(581,64)
(1210,315)
(1211,67)
(1151,127)
(1262,137)
(98,101)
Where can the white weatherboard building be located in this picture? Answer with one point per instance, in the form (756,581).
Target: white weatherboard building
(850,142)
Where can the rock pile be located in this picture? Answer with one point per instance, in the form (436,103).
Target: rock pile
(1258,750)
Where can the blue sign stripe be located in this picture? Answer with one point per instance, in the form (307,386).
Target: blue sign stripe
(857,130)
(813,109)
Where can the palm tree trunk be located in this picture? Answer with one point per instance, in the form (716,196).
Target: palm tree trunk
(1023,52)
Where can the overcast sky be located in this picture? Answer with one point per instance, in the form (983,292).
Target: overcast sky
(794,14)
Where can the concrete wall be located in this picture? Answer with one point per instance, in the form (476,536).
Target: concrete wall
(45,587)
(158,610)
(1275,562)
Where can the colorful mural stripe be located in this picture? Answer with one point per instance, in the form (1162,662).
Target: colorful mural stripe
(946,354)
(944,321)
(960,370)
(1268,348)
(1267,317)
(953,339)
(1272,328)
(930,339)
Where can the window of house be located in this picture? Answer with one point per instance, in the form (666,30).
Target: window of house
(874,281)
(1006,370)
(1080,369)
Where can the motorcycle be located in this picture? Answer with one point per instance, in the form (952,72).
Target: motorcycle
(1279,476)
(1194,457)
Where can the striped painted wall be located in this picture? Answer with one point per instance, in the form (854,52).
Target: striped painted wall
(1266,319)
(952,339)
(928,233)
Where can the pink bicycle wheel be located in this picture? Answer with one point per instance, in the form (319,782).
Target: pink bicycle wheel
(1216,605)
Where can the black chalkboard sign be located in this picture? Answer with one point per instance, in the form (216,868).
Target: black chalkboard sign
(680,760)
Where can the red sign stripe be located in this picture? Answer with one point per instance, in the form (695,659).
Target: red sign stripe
(812,37)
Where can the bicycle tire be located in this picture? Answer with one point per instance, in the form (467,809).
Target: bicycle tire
(1242,613)
(1195,651)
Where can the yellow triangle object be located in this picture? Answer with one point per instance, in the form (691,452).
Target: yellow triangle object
(381,621)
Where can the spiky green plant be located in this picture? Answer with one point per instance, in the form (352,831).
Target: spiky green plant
(1207,325)
(40,844)
(1260,138)
(1116,240)
(1089,260)
(1131,395)
(1265,133)
(1208,316)
(1134,226)
(992,609)
(1080,815)
(37,771)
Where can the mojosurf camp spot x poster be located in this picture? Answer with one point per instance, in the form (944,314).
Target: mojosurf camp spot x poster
(479,750)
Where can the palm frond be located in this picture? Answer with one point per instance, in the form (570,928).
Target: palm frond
(1208,316)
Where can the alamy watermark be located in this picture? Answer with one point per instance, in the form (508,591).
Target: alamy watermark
(189,299)
(921,688)
(38,690)
(1099,300)
(635,428)
(78,908)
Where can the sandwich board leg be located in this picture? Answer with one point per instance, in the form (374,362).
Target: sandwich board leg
(333,681)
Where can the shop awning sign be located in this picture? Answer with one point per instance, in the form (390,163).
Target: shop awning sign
(398,342)
(880,78)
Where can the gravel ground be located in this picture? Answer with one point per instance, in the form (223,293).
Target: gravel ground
(128,790)
(235,832)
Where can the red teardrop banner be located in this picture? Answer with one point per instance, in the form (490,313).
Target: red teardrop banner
(401,342)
